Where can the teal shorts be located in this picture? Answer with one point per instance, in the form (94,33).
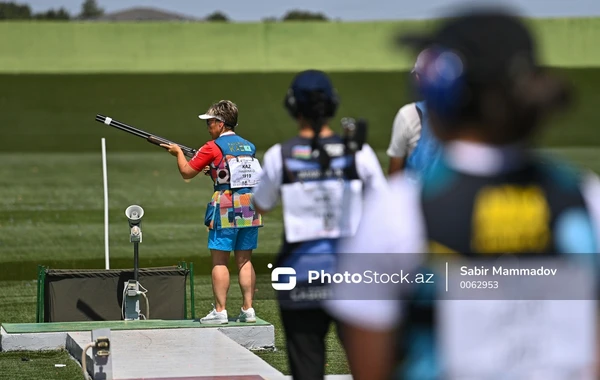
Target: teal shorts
(233,239)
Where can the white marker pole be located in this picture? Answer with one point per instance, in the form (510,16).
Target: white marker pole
(106,258)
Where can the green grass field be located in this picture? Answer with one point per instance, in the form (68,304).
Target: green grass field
(51,213)
(38,365)
(167,47)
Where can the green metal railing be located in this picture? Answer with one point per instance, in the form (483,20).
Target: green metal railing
(184,265)
(192,297)
(41,280)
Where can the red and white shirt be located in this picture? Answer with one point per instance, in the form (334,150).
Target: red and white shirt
(208,154)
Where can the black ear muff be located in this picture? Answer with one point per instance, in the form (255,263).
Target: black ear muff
(290,103)
(292,106)
(333,105)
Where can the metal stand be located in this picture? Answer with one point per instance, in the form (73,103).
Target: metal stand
(131,293)
(135,260)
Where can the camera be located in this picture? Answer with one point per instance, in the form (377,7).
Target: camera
(355,134)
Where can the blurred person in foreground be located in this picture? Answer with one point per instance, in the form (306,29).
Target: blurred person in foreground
(490,199)
(321,178)
(413,146)
(230,216)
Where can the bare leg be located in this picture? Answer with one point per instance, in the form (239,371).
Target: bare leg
(220,278)
(247,276)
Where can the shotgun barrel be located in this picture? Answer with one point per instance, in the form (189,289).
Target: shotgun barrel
(153,139)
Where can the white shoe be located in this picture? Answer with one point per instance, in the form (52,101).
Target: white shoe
(248,316)
(215,317)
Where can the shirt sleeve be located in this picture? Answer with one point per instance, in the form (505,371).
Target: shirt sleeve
(369,169)
(406,126)
(266,194)
(204,156)
(384,243)
(398,143)
(591,195)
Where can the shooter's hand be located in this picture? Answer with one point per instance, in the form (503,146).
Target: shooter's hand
(206,170)
(174,149)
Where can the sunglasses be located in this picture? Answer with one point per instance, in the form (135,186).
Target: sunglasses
(210,121)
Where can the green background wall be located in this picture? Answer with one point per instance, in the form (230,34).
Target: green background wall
(56,112)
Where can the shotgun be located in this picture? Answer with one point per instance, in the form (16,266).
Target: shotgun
(153,139)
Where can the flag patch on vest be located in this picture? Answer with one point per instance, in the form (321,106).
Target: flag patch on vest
(301,151)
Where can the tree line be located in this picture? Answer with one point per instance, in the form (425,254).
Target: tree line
(91,10)
(15,11)
(293,15)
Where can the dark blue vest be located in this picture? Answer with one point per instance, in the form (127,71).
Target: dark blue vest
(299,165)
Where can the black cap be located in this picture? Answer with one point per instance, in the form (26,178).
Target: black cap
(493,44)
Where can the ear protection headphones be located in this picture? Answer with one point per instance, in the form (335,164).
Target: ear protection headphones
(290,103)
(304,83)
(441,81)
(442,84)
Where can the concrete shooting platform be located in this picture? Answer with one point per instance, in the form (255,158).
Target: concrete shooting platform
(53,335)
(157,349)
(160,349)
(164,354)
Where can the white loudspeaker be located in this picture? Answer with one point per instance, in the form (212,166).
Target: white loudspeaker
(134,215)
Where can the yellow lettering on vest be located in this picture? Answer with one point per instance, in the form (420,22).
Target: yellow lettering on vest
(510,219)
(236,147)
(439,253)
(437,248)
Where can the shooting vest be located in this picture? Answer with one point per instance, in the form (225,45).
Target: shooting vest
(428,149)
(535,212)
(236,175)
(318,209)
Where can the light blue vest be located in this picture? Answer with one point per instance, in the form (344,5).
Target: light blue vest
(428,149)
(231,146)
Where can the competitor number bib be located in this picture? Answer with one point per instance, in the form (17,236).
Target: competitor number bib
(321,209)
(244,171)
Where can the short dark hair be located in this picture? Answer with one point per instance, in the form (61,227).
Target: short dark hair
(226,110)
